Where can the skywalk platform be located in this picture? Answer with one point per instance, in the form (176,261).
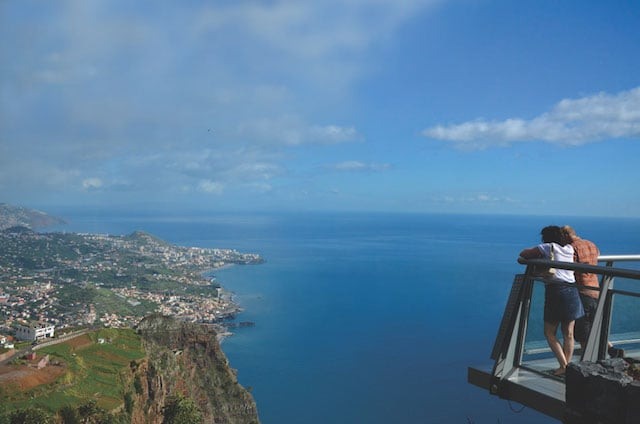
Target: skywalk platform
(522,367)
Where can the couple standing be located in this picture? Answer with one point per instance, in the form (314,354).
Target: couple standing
(564,305)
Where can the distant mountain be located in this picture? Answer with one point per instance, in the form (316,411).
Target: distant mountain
(146,238)
(17,216)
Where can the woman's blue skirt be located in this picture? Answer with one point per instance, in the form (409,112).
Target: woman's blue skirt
(562,303)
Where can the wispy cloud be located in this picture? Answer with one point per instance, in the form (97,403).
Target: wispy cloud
(475,198)
(212,187)
(92,183)
(571,122)
(293,131)
(357,166)
(192,97)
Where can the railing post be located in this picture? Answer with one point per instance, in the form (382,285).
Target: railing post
(598,337)
(525,307)
(507,350)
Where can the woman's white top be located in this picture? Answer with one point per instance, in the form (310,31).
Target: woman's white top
(561,254)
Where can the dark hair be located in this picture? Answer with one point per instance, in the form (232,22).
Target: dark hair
(554,234)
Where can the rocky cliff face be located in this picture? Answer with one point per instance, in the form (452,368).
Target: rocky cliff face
(186,360)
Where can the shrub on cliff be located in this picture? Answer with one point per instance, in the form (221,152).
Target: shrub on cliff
(180,410)
(30,416)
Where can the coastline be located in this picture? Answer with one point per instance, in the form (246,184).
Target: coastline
(225,320)
(222,329)
(139,273)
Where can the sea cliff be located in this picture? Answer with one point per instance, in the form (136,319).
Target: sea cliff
(185,360)
(165,371)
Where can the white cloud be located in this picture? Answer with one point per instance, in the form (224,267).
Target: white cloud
(312,30)
(475,198)
(254,171)
(331,134)
(209,186)
(292,131)
(571,122)
(356,166)
(228,166)
(92,183)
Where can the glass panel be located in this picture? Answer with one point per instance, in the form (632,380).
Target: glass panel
(624,331)
(536,352)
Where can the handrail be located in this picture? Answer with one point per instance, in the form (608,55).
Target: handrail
(618,258)
(593,269)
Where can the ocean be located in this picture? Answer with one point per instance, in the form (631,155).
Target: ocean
(368,318)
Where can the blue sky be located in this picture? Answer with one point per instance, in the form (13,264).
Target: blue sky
(518,107)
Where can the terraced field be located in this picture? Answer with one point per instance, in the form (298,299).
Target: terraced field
(93,366)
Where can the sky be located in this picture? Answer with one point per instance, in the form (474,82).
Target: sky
(437,106)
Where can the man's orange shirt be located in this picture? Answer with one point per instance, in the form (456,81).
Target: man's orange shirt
(586,252)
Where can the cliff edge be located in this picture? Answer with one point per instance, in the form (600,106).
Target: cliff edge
(184,360)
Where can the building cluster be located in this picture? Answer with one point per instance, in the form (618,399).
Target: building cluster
(194,308)
(51,281)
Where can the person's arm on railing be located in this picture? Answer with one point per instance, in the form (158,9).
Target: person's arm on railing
(531,253)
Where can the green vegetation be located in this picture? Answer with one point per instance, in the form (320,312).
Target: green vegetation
(107,301)
(181,410)
(166,371)
(97,369)
(30,416)
(87,413)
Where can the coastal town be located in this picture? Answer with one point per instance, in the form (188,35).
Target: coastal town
(55,282)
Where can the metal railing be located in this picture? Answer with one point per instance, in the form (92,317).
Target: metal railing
(509,346)
(529,382)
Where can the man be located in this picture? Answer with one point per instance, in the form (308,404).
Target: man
(586,252)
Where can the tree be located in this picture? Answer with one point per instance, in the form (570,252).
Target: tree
(137,385)
(91,413)
(69,415)
(30,416)
(181,410)
(4,415)
(128,402)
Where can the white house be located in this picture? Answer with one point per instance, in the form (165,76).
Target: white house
(34,331)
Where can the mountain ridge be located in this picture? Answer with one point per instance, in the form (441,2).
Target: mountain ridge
(18,216)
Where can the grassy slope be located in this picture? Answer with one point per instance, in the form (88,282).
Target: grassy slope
(93,371)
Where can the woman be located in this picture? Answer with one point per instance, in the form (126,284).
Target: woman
(562,305)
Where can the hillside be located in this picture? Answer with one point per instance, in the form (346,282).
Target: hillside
(17,216)
(164,370)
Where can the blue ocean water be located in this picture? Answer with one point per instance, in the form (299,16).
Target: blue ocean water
(369,318)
